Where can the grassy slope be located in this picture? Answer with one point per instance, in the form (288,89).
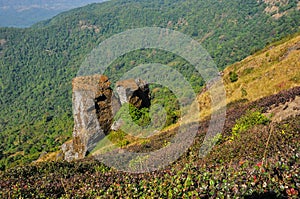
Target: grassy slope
(267,72)
(275,68)
(262,162)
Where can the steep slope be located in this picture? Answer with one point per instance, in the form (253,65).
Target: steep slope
(265,73)
(50,54)
(37,64)
(259,162)
(259,77)
(273,69)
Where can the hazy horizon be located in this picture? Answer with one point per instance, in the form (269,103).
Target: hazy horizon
(16,13)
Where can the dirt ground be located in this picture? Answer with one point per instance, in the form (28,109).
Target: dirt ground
(286,110)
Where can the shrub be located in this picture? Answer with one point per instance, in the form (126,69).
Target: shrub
(247,121)
(233,76)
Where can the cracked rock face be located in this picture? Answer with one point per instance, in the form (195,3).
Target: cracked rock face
(135,92)
(94,106)
(92,101)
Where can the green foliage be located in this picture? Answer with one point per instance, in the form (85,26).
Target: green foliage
(218,138)
(244,92)
(250,119)
(165,98)
(33,139)
(233,76)
(118,138)
(140,116)
(101,168)
(133,118)
(142,121)
(190,177)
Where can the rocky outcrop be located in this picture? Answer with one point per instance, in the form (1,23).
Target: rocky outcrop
(135,92)
(94,106)
(92,102)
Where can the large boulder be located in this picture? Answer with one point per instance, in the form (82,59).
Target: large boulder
(133,91)
(94,106)
(92,102)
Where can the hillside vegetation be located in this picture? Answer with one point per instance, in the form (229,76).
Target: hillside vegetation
(37,64)
(275,68)
(266,73)
(254,158)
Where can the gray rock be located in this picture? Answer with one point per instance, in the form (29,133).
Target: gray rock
(94,106)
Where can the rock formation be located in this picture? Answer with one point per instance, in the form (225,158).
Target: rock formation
(94,106)
(135,92)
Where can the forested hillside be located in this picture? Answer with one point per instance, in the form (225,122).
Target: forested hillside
(37,64)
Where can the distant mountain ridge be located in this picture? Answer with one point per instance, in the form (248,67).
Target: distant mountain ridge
(15,13)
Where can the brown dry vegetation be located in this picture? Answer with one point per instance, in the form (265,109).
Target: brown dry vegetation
(265,73)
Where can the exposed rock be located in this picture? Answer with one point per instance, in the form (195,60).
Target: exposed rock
(117,125)
(273,7)
(94,106)
(85,25)
(2,42)
(135,92)
(285,110)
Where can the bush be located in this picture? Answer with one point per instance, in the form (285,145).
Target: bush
(233,76)
(249,120)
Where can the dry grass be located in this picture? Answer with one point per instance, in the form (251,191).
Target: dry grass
(270,72)
(48,157)
(265,73)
